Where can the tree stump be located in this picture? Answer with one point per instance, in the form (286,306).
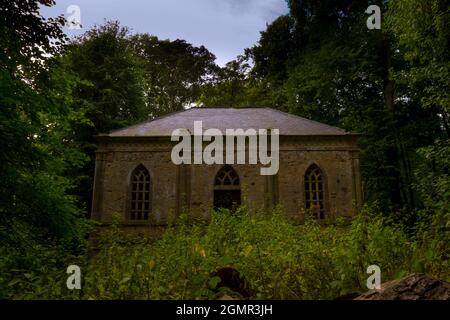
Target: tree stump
(231,279)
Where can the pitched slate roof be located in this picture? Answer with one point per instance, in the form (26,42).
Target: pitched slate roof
(229,118)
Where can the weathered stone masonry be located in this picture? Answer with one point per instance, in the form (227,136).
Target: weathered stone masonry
(191,187)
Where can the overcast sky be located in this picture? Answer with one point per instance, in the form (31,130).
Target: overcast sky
(225,27)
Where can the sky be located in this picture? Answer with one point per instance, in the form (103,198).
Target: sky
(224,27)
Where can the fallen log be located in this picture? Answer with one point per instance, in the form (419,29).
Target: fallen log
(416,286)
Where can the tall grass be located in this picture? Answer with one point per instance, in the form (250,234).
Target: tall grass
(279,259)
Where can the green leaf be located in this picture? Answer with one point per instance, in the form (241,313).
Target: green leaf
(214,281)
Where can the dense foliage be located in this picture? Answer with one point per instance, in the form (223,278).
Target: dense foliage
(391,85)
(36,124)
(278,259)
(319,61)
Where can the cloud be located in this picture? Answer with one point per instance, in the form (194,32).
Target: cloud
(225,27)
(265,9)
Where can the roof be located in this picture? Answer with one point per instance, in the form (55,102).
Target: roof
(229,118)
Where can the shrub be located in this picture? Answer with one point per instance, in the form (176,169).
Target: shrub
(279,259)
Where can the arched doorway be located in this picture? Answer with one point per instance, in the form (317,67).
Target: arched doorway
(227,189)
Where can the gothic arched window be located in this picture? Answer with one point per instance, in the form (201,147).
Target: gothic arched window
(227,190)
(226,177)
(140,200)
(315,191)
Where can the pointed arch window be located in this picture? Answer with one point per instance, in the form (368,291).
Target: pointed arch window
(227,176)
(140,200)
(227,190)
(315,191)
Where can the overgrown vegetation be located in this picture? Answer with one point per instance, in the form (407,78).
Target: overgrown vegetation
(279,259)
(318,61)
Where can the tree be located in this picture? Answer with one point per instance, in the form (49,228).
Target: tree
(320,61)
(174,72)
(231,86)
(110,91)
(274,49)
(423,32)
(127,78)
(36,200)
(112,87)
(27,38)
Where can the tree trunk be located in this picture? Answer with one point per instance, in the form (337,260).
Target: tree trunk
(396,150)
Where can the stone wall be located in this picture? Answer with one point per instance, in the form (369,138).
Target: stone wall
(191,187)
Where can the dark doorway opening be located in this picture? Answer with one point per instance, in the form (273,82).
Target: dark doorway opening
(227,190)
(228,199)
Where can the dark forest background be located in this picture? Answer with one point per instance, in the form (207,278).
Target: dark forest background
(319,61)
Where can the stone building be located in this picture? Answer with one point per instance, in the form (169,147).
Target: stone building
(136,178)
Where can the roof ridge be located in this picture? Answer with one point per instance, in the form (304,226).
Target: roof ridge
(295,124)
(180,111)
